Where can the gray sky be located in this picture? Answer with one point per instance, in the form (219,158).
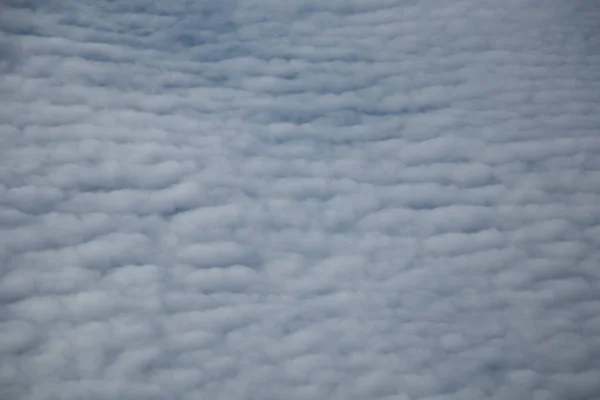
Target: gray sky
(300,199)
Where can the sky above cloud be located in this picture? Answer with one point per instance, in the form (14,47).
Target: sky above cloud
(301,199)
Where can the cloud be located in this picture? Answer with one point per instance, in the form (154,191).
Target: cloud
(305,200)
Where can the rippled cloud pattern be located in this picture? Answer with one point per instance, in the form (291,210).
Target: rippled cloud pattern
(300,199)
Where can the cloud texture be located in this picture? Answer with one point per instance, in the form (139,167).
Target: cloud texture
(302,199)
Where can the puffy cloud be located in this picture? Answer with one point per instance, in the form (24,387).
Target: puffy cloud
(258,199)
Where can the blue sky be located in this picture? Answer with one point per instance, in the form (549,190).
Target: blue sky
(257,199)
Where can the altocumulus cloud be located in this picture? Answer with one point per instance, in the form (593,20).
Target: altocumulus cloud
(302,199)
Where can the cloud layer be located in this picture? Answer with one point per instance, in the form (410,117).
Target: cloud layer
(258,199)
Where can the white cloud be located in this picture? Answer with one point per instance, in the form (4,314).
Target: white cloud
(261,200)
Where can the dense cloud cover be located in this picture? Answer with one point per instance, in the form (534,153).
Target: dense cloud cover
(300,199)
